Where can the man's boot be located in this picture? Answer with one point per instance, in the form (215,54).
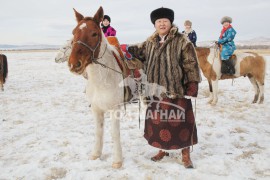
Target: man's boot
(186,158)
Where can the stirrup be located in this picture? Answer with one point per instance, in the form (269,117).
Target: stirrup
(159,156)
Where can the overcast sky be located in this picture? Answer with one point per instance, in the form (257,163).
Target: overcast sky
(52,21)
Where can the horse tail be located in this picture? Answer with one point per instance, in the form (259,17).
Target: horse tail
(5,65)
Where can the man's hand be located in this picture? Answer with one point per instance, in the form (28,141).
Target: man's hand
(132,50)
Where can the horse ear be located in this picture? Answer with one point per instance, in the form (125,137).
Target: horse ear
(99,15)
(79,17)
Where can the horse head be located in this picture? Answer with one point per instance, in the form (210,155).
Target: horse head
(87,37)
(64,52)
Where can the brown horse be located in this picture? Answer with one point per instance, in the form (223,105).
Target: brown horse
(3,70)
(91,53)
(246,64)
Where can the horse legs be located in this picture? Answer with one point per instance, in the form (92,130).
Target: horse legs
(117,149)
(255,86)
(215,92)
(99,123)
(1,85)
(210,90)
(261,87)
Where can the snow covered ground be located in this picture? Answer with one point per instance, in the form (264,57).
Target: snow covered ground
(47,130)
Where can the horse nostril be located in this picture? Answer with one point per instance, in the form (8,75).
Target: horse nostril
(78,64)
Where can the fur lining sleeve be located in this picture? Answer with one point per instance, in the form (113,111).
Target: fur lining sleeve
(190,64)
(138,50)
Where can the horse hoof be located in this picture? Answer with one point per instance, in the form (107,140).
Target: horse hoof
(92,157)
(213,103)
(117,165)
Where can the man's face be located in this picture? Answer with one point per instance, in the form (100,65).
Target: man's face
(163,26)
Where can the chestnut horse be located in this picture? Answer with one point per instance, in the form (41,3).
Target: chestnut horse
(3,70)
(90,53)
(247,64)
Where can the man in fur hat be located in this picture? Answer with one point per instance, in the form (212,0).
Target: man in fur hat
(170,61)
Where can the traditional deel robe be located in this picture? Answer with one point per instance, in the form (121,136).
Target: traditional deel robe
(228,46)
(170,122)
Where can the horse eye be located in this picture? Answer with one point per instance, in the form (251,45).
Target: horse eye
(94,34)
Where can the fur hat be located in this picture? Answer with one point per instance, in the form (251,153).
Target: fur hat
(107,17)
(226,19)
(162,13)
(188,23)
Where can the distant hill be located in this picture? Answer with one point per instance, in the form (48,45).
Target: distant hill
(28,47)
(255,43)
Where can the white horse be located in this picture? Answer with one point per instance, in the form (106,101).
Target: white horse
(92,53)
(246,64)
(64,52)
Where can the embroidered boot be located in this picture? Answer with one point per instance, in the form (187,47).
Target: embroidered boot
(224,68)
(231,69)
(186,158)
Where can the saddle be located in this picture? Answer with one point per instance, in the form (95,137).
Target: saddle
(129,67)
(131,63)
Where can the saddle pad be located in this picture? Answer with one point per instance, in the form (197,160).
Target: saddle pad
(114,41)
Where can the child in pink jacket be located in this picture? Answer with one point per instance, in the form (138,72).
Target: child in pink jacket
(106,28)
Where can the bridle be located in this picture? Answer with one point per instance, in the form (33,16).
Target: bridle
(92,50)
(95,59)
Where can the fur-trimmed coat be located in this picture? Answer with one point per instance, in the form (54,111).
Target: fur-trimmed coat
(172,65)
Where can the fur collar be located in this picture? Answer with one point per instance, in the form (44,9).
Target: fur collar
(186,32)
(172,33)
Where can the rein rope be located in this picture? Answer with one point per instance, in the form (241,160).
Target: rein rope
(95,60)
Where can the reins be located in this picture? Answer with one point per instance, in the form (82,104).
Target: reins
(95,60)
